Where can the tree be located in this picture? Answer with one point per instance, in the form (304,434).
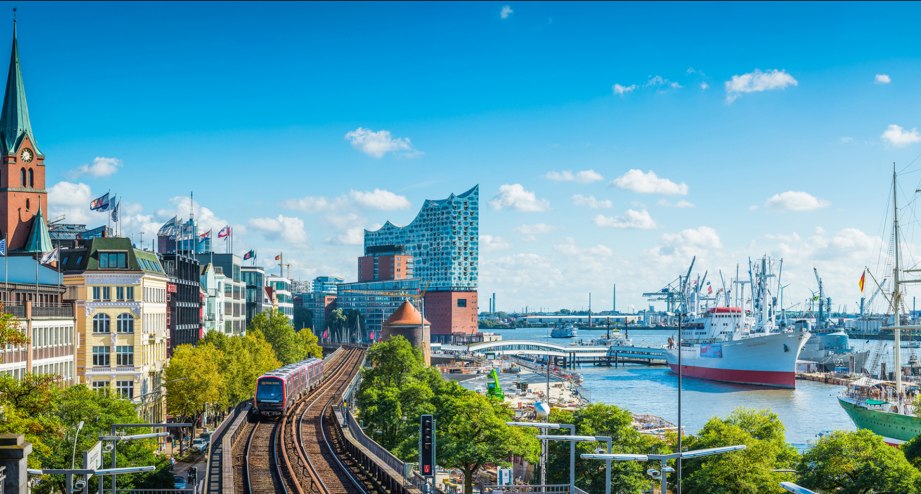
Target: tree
(194,381)
(856,462)
(278,331)
(243,360)
(335,323)
(10,332)
(471,433)
(751,470)
(303,318)
(599,419)
(308,344)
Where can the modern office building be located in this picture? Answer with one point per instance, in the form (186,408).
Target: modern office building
(256,298)
(183,301)
(376,300)
(326,284)
(121,296)
(234,290)
(443,244)
(212,292)
(36,299)
(279,290)
(68,235)
(178,235)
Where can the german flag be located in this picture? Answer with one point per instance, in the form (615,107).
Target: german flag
(863,278)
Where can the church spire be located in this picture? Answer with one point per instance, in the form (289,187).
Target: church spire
(14,119)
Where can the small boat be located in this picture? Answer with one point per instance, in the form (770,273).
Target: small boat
(566,330)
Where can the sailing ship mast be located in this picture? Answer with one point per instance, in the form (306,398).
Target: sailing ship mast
(896,296)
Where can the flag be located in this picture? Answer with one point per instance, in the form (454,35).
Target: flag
(249,255)
(863,278)
(372,335)
(115,212)
(224,232)
(205,235)
(325,334)
(50,257)
(709,289)
(278,257)
(3,247)
(100,203)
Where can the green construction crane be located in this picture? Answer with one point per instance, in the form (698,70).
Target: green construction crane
(494,389)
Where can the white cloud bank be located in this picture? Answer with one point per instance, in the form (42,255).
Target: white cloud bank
(900,137)
(100,167)
(581,176)
(515,196)
(792,200)
(882,79)
(591,202)
(379,143)
(632,219)
(287,228)
(506,12)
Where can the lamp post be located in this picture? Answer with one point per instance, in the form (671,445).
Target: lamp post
(664,459)
(115,439)
(545,426)
(73,455)
(572,457)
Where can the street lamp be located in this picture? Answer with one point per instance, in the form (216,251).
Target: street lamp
(572,457)
(664,459)
(73,455)
(544,453)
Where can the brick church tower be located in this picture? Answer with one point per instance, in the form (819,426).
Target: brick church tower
(22,166)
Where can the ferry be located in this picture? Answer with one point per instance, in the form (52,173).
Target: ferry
(726,344)
(567,330)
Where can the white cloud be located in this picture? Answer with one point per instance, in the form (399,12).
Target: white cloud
(704,86)
(506,11)
(649,183)
(622,90)
(792,200)
(205,218)
(570,248)
(71,200)
(515,196)
(492,243)
(581,176)
(530,232)
(378,143)
(591,202)
(100,167)
(882,79)
(287,228)
(632,219)
(310,204)
(380,199)
(659,81)
(681,204)
(899,137)
(688,242)
(757,81)
(350,236)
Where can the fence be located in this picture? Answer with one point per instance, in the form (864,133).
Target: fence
(2,478)
(529,489)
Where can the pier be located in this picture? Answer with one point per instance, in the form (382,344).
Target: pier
(569,356)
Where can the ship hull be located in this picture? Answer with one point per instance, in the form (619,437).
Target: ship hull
(894,427)
(768,360)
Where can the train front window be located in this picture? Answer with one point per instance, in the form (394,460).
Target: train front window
(269,391)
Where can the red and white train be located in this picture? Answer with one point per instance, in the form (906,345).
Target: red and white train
(279,389)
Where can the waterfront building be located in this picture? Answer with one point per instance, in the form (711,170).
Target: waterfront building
(212,286)
(443,242)
(36,299)
(120,295)
(234,290)
(256,298)
(183,301)
(279,289)
(326,284)
(375,300)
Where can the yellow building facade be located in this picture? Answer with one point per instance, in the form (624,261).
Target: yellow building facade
(119,294)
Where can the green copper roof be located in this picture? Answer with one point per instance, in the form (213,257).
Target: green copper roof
(39,240)
(14,121)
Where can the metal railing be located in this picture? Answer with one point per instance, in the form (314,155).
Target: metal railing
(52,311)
(528,489)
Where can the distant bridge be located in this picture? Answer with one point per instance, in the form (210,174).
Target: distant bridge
(571,355)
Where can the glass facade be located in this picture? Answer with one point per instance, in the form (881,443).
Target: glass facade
(375,308)
(443,240)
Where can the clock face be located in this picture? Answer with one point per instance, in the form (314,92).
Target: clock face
(27,155)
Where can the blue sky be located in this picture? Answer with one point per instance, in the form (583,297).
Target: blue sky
(301,124)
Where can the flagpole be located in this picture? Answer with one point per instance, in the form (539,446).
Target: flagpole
(6,269)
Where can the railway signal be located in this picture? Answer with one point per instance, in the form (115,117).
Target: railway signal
(427,445)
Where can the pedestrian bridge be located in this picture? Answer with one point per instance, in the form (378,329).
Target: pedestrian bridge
(525,347)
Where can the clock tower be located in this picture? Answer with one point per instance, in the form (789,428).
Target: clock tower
(22,165)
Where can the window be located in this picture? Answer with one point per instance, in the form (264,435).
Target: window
(22,177)
(125,323)
(119,293)
(100,385)
(124,355)
(101,356)
(462,302)
(101,323)
(125,389)
(31,178)
(129,293)
(113,260)
(106,293)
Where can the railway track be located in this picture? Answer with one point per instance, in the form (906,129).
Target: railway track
(282,457)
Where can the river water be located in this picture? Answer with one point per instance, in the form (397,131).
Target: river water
(806,411)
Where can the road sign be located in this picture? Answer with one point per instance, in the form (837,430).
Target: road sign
(92,458)
(427,445)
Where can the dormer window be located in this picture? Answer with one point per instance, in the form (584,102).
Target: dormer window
(113,260)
